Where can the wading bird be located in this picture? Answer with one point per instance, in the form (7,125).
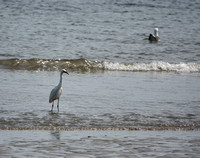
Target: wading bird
(155,37)
(57,91)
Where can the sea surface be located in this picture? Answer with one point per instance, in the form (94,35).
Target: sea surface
(124,96)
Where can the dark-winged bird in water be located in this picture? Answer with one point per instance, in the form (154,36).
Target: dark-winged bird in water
(155,37)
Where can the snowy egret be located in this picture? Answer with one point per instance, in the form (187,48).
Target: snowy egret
(155,37)
(56,92)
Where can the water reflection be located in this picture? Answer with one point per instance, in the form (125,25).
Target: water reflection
(55,134)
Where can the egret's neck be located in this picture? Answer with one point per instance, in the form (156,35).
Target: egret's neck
(60,83)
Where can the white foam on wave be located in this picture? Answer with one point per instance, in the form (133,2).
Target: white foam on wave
(153,66)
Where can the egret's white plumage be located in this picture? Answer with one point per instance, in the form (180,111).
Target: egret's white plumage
(57,91)
(155,37)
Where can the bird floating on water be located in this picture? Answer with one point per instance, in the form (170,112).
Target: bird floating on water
(155,37)
(57,91)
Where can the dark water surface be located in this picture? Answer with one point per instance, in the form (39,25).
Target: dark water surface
(107,30)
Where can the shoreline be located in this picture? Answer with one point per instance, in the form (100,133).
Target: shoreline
(96,129)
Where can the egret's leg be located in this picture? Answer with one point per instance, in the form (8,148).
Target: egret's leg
(52,106)
(58,105)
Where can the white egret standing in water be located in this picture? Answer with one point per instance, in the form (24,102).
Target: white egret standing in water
(57,91)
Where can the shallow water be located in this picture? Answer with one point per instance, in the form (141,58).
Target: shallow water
(99,144)
(124,97)
(111,114)
(101,100)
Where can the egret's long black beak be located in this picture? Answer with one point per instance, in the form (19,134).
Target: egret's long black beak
(66,72)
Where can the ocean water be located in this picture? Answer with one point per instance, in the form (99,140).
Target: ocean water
(124,95)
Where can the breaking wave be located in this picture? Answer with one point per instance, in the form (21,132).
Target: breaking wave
(84,65)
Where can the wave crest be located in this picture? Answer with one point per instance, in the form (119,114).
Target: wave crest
(153,66)
(84,65)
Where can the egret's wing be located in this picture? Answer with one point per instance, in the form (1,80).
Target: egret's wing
(53,94)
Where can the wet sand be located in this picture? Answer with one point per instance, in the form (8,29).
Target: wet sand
(98,143)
